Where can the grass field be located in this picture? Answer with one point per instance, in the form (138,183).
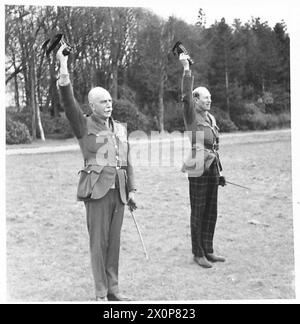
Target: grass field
(47,242)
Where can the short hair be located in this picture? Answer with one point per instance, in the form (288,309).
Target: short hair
(94,92)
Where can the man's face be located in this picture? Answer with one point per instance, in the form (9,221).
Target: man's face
(203,101)
(101,104)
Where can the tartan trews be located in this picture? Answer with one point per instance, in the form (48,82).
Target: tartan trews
(203,200)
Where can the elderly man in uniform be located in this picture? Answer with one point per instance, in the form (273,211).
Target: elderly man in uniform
(202,166)
(106,182)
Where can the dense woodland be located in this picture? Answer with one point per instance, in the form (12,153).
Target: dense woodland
(246,67)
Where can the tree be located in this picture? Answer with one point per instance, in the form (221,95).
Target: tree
(26,34)
(282,45)
(201,22)
(128,52)
(221,45)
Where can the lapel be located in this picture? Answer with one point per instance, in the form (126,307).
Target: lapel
(210,122)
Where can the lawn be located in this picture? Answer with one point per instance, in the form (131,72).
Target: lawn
(47,240)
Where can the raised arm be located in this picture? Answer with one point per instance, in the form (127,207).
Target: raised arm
(187,89)
(71,106)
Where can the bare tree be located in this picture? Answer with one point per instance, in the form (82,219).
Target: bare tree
(24,24)
(166,40)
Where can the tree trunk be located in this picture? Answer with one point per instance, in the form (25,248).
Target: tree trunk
(263,84)
(161,104)
(227,91)
(114,91)
(227,82)
(27,86)
(17,98)
(32,101)
(36,117)
(53,89)
(54,100)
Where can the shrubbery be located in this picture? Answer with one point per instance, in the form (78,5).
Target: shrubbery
(56,127)
(252,117)
(16,132)
(23,116)
(173,117)
(126,112)
(263,114)
(244,116)
(223,120)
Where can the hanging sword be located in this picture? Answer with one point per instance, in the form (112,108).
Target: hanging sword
(235,184)
(225,181)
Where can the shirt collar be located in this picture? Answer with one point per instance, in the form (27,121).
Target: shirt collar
(95,124)
(201,120)
(101,121)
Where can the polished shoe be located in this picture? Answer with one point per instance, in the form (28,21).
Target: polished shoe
(214,258)
(101,299)
(117,297)
(202,261)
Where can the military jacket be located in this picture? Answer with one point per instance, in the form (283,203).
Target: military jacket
(105,152)
(203,134)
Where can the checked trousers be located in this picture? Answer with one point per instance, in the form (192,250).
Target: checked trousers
(203,200)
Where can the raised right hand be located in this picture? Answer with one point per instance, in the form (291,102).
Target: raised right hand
(63,60)
(183,58)
(222,181)
(60,56)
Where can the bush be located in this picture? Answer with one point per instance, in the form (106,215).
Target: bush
(127,112)
(173,117)
(16,132)
(223,120)
(282,120)
(251,117)
(56,127)
(23,116)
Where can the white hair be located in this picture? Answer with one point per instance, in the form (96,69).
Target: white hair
(96,92)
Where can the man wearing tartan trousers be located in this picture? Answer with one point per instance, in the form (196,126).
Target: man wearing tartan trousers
(202,166)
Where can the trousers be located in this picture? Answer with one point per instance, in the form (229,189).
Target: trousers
(203,193)
(104,223)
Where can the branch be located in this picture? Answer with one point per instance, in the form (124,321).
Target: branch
(16,71)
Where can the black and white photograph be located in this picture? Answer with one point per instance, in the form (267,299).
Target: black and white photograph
(150,152)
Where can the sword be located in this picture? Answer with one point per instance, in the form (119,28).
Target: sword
(140,234)
(226,181)
(235,184)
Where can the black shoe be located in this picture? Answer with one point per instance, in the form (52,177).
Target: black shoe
(202,261)
(101,299)
(117,297)
(214,258)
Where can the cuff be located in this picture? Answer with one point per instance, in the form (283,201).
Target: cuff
(64,79)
